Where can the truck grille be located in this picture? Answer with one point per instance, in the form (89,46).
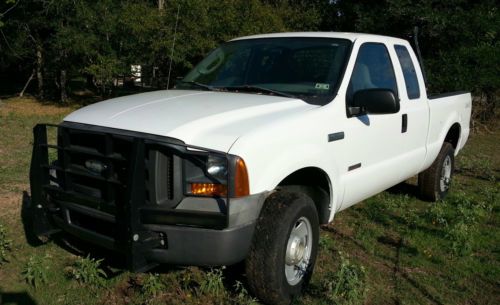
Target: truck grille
(94,167)
(94,171)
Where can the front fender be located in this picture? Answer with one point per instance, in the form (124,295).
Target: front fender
(267,170)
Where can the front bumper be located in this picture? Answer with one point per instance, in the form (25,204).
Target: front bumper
(173,244)
(184,231)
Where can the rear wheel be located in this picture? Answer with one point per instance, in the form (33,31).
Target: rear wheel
(284,248)
(435,182)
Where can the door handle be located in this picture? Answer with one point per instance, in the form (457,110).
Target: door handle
(404,123)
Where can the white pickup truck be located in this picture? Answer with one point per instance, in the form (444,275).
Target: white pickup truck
(264,140)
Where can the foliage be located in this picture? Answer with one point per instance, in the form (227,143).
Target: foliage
(460,216)
(100,40)
(5,244)
(35,271)
(346,285)
(242,296)
(325,242)
(152,285)
(212,283)
(87,270)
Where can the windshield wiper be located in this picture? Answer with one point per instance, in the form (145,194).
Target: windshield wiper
(204,86)
(252,88)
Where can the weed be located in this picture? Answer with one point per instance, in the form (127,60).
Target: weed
(460,235)
(325,242)
(436,214)
(152,285)
(242,296)
(411,218)
(347,285)
(186,279)
(397,202)
(87,270)
(463,221)
(376,210)
(469,210)
(492,195)
(5,245)
(213,283)
(36,269)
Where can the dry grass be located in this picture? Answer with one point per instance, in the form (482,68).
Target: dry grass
(27,106)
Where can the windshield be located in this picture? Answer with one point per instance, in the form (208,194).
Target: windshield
(305,68)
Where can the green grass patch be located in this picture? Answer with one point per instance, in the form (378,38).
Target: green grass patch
(395,248)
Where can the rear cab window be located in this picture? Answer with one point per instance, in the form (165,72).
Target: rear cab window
(409,73)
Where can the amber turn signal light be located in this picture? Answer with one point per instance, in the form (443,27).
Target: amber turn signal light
(241,183)
(208,189)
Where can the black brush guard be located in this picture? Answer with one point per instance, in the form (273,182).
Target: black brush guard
(54,204)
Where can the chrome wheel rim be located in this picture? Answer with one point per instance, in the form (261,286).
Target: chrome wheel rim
(444,181)
(298,251)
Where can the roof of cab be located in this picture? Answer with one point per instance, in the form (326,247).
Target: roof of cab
(349,36)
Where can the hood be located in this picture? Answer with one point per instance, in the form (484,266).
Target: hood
(207,119)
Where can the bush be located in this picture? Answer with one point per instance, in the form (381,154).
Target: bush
(36,269)
(87,270)
(5,245)
(347,285)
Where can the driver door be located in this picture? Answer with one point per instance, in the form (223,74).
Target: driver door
(372,148)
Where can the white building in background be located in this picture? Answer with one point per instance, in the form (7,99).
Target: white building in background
(136,73)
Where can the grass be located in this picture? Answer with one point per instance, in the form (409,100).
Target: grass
(36,270)
(87,271)
(390,249)
(5,245)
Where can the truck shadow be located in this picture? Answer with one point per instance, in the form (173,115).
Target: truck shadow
(16,298)
(405,188)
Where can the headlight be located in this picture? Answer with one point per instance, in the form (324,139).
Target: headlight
(217,167)
(208,175)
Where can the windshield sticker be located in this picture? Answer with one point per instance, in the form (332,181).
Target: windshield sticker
(322,86)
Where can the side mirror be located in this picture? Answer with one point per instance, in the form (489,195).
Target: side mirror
(374,101)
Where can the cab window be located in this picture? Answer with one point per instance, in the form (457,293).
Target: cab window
(373,69)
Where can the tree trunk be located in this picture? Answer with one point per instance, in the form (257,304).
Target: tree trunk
(90,81)
(27,83)
(39,72)
(62,83)
(161,4)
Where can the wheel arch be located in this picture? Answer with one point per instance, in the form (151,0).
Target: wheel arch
(453,135)
(316,183)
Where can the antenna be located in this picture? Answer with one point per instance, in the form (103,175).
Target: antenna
(417,48)
(173,45)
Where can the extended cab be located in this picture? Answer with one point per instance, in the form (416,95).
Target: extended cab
(264,140)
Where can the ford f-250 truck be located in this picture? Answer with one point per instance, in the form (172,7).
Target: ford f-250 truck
(264,140)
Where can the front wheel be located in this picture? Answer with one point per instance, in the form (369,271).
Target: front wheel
(284,247)
(435,181)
